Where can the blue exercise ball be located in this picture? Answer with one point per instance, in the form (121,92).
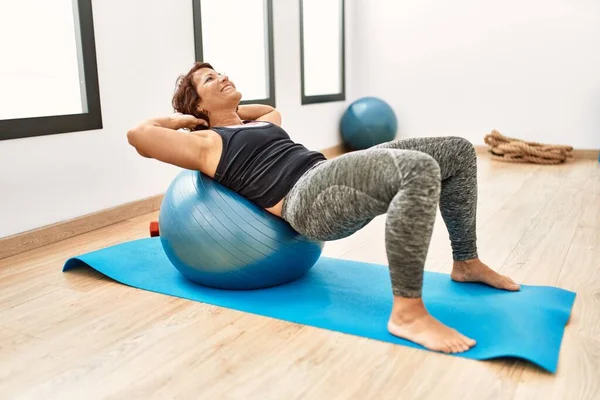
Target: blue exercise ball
(367,122)
(217,238)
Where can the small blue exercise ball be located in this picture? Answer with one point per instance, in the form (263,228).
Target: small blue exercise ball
(367,122)
(217,238)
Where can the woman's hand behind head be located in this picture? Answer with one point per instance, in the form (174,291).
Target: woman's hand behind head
(179,120)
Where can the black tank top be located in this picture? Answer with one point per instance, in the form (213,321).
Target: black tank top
(261,163)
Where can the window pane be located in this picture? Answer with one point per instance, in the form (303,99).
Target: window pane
(322,34)
(235,42)
(41,73)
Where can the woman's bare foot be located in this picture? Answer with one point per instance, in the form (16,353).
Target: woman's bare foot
(476,271)
(410,320)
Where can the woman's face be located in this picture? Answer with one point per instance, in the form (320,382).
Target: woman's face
(216,91)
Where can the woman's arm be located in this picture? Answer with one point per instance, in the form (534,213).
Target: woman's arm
(259,112)
(160,139)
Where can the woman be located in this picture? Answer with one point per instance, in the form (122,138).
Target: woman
(331,199)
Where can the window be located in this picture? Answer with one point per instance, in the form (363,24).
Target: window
(236,38)
(322,51)
(48,73)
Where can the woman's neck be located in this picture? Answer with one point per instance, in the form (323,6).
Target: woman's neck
(224,118)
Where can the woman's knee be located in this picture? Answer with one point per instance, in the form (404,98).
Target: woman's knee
(426,166)
(429,174)
(463,148)
(417,168)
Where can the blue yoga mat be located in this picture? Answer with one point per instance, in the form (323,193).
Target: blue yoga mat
(355,298)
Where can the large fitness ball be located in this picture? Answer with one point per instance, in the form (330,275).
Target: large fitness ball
(367,122)
(217,238)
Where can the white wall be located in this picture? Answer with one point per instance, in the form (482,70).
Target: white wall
(529,69)
(314,125)
(141,48)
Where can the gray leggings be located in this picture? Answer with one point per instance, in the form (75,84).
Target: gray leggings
(403,178)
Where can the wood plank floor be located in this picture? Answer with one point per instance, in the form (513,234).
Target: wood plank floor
(80,335)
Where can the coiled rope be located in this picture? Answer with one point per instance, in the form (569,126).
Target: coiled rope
(508,149)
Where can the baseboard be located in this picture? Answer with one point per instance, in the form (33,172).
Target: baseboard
(481,149)
(587,154)
(580,154)
(22,242)
(335,151)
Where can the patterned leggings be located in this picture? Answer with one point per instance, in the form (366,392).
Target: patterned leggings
(405,179)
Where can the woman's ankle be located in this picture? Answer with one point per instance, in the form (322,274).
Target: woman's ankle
(407,309)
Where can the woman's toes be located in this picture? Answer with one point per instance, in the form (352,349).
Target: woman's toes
(508,284)
(448,347)
(462,346)
(456,346)
(467,341)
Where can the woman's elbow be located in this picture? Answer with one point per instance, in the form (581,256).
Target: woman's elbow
(273,117)
(134,136)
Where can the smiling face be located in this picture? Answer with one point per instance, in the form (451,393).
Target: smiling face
(216,91)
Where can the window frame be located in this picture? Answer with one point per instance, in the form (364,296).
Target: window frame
(323,98)
(19,128)
(197,11)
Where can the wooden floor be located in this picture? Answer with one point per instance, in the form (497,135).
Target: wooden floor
(81,336)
